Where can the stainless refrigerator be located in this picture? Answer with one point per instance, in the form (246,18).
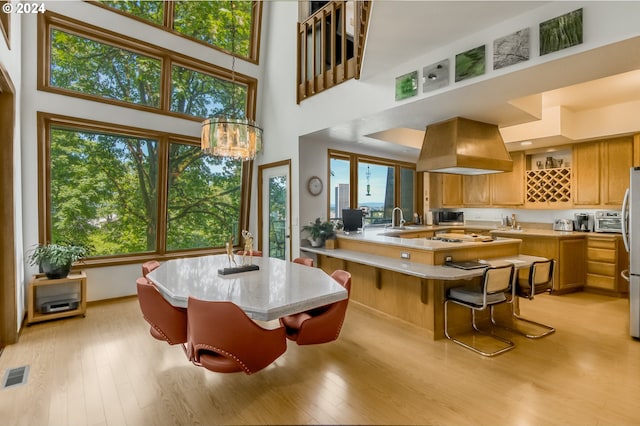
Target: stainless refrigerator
(631,238)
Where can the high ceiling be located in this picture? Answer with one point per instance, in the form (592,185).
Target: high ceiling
(571,88)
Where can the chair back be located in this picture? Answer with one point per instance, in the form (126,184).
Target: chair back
(497,279)
(223,338)
(540,279)
(541,272)
(324,324)
(304,261)
(149,266)
(167,322)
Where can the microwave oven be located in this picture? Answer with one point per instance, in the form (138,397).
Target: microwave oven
(448,217)
(608,221)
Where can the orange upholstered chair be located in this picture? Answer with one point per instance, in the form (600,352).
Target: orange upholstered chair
(167,322)
(222,338)
(149,266)
(320,325)
(304,261)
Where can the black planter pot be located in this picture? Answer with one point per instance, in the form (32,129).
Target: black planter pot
(54,272)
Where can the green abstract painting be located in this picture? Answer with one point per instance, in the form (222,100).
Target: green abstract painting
(470,63)
(561,32)
(407,85)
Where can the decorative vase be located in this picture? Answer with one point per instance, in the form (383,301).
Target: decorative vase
(54,272)
(317,242)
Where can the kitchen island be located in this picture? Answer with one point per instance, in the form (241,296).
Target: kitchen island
(406,277)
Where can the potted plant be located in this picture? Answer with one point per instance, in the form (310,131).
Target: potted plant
(319,231)
(55,260)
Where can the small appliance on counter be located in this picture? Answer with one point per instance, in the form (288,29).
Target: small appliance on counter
(563,225)
(583,222)
(608,221)
(448,217)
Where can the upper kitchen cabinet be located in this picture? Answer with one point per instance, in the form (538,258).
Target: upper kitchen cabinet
(507,189)
(601,172)
(496,189)
(476,191)
(445,190)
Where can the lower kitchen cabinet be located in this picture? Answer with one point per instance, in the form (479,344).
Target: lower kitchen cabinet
(606,258)
(569,251)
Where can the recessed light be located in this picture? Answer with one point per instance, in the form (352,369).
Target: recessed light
(526,143)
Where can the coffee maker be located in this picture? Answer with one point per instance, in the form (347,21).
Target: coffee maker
(583,222)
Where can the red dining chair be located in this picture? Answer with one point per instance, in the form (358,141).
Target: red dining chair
(304,261)
(149,266)
(167,322)
(319,325)
(222,338)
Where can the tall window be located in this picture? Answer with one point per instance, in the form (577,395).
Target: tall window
(93,68)
(131,192)
(210,22)
(98,65)
(339,186)
(381,184)
(376,191)
(105,189)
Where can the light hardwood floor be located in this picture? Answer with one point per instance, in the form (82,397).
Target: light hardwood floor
(106,369)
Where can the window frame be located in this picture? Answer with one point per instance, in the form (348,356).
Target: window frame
(168,58)
(169,7)
(355,158)
(46,120)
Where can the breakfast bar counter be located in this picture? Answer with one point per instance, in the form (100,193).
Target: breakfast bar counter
(407,278)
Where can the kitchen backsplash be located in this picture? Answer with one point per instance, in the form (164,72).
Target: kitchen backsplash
(522,215)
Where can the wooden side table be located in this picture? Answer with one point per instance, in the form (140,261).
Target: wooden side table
(39,280)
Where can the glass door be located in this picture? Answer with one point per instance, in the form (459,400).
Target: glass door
(275,218)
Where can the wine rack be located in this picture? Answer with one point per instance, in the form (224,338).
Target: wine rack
(549,187)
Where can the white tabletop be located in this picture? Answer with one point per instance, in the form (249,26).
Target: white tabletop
(279,288)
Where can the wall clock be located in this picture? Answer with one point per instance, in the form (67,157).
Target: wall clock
(314,185)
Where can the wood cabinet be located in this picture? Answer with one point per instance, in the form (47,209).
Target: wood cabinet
(568,251)
(40,281)
(601,172)
(476,191)
(445,190)
(606,258)
(507,189)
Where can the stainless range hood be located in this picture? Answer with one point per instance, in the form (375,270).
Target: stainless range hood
(465,147)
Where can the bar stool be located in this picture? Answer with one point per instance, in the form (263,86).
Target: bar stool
(540,280)
(496,282)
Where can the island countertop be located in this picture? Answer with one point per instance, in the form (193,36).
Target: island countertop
(394,237)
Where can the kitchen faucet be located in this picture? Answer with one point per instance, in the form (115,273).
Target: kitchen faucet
(393,218)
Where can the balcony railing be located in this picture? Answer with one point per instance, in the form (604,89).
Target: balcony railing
(330,44)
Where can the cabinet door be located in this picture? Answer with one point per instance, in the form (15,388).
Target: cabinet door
(476,190)
(617,159)
(507,189)
(586,176)
(571,264)
(451,190)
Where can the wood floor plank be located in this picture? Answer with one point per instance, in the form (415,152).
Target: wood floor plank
(106,369)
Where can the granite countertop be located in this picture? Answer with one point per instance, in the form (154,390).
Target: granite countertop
(380,235)
(437,272)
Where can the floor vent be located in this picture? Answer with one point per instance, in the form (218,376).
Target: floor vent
(15,376)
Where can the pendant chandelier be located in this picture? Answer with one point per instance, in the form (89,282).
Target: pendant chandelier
(231,137)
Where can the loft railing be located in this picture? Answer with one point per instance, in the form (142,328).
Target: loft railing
(330,46)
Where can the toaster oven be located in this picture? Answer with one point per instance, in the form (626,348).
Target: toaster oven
(608,221)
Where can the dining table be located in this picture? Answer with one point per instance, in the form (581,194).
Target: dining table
(277,289)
